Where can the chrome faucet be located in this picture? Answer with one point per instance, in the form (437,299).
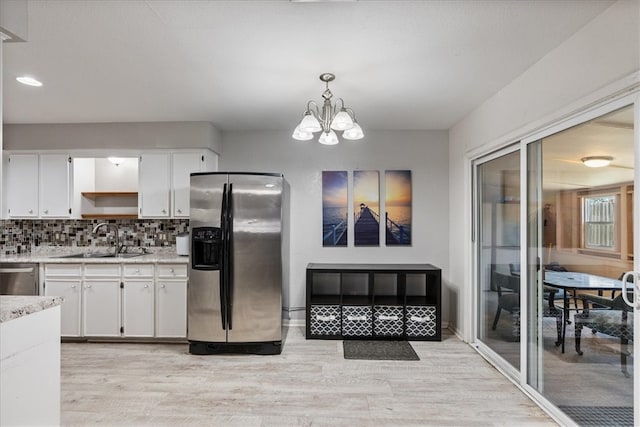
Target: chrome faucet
(116,233)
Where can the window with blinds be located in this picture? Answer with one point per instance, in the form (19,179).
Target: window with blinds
(599,222)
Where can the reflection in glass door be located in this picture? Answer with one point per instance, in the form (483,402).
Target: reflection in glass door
(498,252)
(580,210)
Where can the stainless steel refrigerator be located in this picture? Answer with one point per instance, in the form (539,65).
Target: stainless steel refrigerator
(235,282)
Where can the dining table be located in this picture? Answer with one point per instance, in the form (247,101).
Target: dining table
(573,282)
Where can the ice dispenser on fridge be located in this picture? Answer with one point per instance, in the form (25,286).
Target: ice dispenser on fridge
(206,248)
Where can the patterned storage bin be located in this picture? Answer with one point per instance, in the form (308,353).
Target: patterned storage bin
(388,320)
(356,321)
(325,320)
(421,321)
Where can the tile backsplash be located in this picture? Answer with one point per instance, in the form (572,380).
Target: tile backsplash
(23,236)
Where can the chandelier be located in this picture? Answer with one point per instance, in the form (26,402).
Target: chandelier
(331,118)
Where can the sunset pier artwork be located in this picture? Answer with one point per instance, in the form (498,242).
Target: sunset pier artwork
(367,228)
(398,207)
(366,208)
(335,234)
(334,208)
(366,205)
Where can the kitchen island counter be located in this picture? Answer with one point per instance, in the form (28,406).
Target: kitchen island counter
(13,307)
(30,360)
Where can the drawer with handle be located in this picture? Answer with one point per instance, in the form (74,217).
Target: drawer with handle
(172,270)
(138,270)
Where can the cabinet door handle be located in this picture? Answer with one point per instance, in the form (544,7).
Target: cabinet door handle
(73,286)
(386,317)
(162,286)
(420,319)
(179,210)
(357,318)
(171,270)
(87,286)
(164,211)
(46,211)
(146,286)
(326,318)
(30,211)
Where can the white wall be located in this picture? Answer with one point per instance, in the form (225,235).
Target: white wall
(425,153)
(602,53)
(109,177)
(147,135)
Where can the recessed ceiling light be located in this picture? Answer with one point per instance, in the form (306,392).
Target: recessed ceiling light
(596,161)
(29,81)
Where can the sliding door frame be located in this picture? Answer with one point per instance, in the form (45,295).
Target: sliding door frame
(505,367)
(607,104)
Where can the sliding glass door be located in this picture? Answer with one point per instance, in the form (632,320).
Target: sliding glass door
(498,249)
(579,210)
(549,266)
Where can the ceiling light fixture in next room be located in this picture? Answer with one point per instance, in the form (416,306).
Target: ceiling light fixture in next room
(29,81)
(596,161)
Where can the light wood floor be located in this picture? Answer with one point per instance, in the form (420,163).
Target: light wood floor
(310,383)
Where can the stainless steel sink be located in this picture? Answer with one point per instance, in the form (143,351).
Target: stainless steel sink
(126,255)
(85,255)
(98,255)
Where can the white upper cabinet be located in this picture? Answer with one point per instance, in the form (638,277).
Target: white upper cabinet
(154,183)
(22,186)
(55,185)
(183,165)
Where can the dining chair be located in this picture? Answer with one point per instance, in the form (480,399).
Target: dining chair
(508,287)
(609,316)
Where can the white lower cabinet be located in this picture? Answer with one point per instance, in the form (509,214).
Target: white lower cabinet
(70,290)
(171,308)
(101,307)
(120,300)
(65,280)
(171,301)
(138,300)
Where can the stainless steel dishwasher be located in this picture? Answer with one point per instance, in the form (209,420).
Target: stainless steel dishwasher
(18,279)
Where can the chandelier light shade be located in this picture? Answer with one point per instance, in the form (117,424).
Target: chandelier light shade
(354,133)
(597,161)
(331,118)
(328,138)
(301,135)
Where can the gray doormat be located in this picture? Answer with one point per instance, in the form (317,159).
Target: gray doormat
(598,416)
(379,350)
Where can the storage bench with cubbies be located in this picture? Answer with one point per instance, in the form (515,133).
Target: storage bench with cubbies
(373,301)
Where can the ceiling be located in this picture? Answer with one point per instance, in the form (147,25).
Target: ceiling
(253,65)
(608,135)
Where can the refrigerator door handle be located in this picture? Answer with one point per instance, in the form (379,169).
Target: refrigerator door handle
(223,257)
(230,256)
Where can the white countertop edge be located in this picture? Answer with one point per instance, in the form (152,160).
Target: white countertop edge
(16,306)
(54,258)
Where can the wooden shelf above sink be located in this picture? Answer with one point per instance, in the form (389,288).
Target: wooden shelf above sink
(98,194)
(110,205)
(109,216)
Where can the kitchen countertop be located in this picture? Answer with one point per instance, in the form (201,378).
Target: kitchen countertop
(13,307)
(52,255)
